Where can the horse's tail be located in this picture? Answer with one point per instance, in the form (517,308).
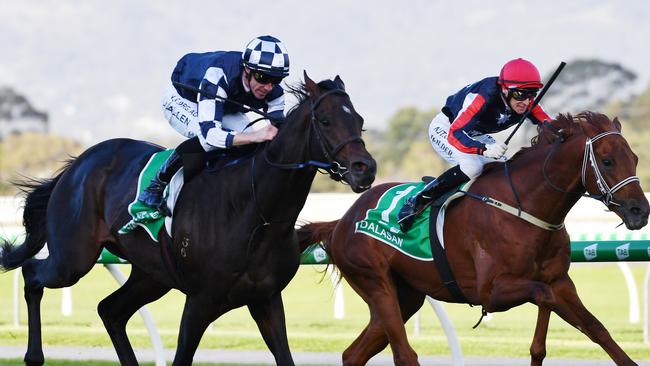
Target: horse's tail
(316,232)
(37,193)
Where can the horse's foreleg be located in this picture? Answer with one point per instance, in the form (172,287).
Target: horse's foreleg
(570,308)
(269,316)
(506,292)
(116,310)
(199,311)
(538,347)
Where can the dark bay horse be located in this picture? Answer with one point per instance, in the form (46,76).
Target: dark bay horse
(499,260)
(234,241)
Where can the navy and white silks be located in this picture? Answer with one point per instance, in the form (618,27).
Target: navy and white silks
(214,122)
(460,133)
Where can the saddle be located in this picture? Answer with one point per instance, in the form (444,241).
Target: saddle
(214,161)
(423,241)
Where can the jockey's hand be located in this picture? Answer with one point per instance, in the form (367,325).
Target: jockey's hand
(495,150)
(265,133)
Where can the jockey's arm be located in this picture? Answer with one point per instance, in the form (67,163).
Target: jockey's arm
(266,133)
(275,111)
(465,121)
(538,115)
(211,110)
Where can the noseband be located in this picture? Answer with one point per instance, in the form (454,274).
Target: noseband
(607,193)
(336,170)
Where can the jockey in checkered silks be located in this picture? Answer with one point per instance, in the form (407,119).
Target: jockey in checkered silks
(251,77)
(460,134)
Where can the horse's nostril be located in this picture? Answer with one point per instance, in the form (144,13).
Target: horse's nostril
(636,210)
(359,167)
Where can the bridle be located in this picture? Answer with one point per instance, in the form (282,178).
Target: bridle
(607,192)
(332,167)
(335,169)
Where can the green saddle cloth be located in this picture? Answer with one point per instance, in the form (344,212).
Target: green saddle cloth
(381,223)
(142,215)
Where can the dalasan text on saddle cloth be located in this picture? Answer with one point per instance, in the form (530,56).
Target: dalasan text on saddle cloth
(381,223)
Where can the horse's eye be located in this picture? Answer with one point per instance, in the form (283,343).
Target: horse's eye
(325,122)
(607,162)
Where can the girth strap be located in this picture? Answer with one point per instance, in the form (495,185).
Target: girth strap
(440,260)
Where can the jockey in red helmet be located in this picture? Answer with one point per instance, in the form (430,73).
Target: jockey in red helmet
(460,133)
(520,73)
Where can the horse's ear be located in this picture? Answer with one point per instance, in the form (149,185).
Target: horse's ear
(311,86)
(617,124)
(339,82)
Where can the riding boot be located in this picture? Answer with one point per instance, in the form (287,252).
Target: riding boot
(152,196)
(416,204)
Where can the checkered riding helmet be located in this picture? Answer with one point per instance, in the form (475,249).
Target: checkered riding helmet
(268,55)
(520,74)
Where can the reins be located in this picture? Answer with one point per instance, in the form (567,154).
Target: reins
(213,95)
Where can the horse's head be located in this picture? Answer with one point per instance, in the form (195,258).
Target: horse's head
(334,131)
(609,169)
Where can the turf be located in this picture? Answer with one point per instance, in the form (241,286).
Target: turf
(312,327)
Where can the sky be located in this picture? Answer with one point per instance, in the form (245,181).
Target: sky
(98,68)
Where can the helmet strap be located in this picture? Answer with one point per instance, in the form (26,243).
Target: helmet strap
(506,100)
(248,75)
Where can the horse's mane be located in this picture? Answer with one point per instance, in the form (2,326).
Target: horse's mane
(564,126)
(300,92)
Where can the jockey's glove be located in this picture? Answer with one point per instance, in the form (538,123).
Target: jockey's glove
(495,150)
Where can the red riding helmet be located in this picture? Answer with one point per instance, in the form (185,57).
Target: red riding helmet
(520,73)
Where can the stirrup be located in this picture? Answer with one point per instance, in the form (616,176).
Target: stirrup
(150,199)
(406,222)
(164,209)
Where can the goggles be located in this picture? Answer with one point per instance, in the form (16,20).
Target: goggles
(263,78)
(523,94)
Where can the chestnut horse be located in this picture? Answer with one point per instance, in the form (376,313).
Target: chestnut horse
(495,268)
(234,242)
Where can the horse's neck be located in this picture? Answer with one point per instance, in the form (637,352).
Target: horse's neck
(281,191)
(537,195)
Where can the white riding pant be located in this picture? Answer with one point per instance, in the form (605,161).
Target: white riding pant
(183,115)
(470,164)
